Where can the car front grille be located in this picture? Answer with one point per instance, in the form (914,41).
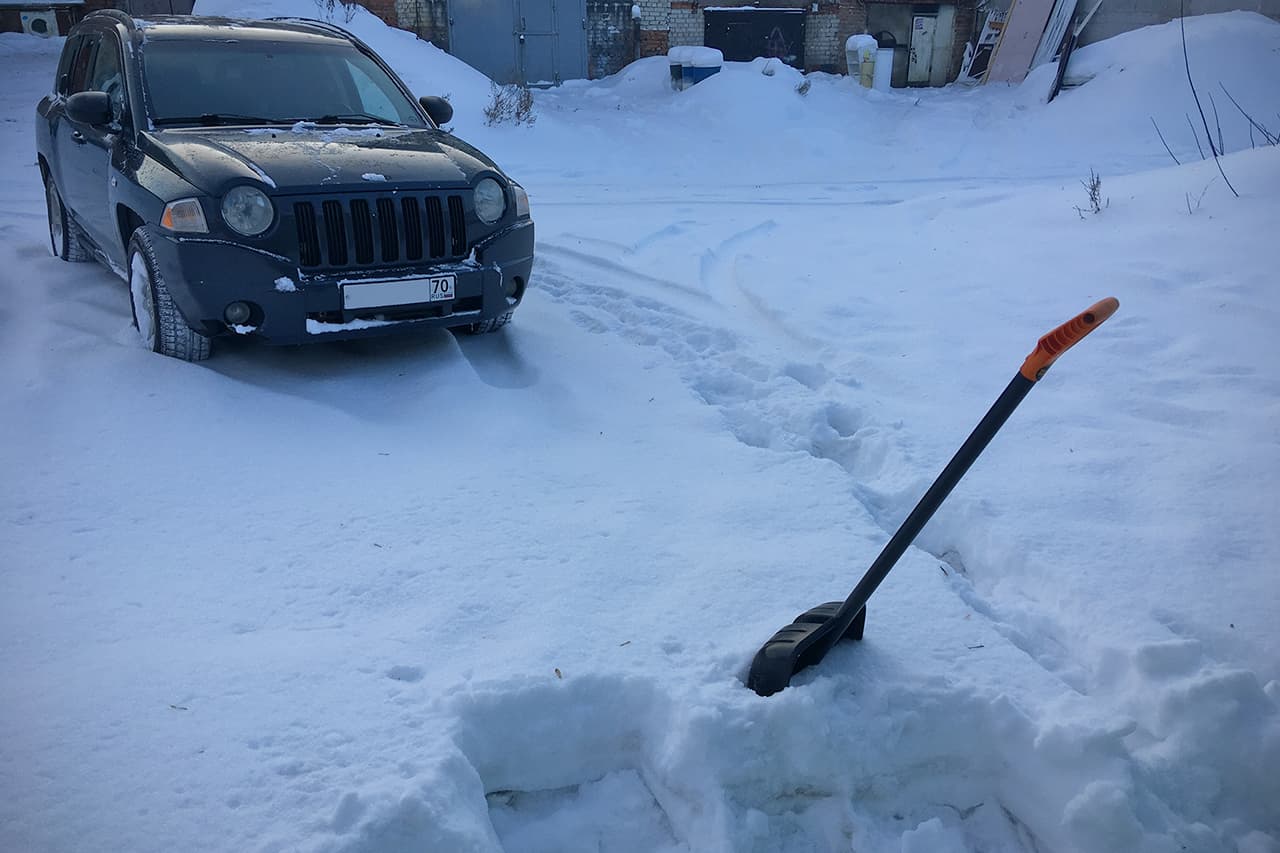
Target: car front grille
(380,230)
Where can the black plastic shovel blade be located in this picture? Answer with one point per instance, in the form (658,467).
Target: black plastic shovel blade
(801,644)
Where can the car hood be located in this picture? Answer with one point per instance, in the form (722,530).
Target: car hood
(311,158)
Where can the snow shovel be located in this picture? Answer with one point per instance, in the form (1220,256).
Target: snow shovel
(807,640)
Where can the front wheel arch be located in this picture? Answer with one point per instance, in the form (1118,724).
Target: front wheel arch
(127,221)
(156,316)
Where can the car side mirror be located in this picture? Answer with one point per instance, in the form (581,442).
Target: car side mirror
(440,110)
(91,108)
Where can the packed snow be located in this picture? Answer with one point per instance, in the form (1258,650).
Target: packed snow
(500,593)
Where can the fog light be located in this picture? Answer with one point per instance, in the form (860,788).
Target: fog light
(237,313)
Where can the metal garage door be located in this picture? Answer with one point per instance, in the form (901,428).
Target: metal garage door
(533,42)
(746,33)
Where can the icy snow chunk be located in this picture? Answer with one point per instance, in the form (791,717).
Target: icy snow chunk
(932,837)
(350,808)
(1101,817)
(373,176)
(243,330)
(284,284)
(1169,658)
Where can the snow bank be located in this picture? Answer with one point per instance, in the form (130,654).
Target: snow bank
(1140,77)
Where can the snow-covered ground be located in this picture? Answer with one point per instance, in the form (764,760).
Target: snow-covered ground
(452,594)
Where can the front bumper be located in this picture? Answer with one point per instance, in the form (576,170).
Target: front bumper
(204,276)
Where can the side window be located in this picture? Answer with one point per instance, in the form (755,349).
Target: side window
(78,78)
(107,75)
(63,80)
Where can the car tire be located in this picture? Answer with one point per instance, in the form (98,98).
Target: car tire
(485,327)
(160,324)
(66,239)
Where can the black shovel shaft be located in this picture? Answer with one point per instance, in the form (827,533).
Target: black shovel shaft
(928,505)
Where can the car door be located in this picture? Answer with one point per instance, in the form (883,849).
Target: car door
(65,138)
(92,149)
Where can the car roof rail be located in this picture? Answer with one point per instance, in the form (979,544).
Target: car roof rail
(311,22)
(117,14)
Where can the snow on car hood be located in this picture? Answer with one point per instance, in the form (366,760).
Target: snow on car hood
(306,156)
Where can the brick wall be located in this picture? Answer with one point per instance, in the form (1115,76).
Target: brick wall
(429,19)
(655,26)
(611,40)
(853,20)
(384,9)
(654,42)
(655,15)
(966,30)
(823,47)
(688,26)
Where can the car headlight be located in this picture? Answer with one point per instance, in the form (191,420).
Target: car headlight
(522,200)
(248,211)
(491,201)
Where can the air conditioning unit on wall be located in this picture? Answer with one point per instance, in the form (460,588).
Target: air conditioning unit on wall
(40,22)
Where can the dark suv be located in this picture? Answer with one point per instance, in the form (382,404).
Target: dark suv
(271,178)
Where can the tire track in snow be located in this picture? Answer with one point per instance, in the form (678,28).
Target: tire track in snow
(720,271)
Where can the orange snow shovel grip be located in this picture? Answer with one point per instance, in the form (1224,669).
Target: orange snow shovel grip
(1066,336)
(807,640)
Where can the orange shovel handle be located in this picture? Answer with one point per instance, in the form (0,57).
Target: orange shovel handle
(1065,337)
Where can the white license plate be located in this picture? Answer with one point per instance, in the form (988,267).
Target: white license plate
(408,291)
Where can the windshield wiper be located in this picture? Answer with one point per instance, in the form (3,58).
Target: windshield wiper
(216,119)
(354,118)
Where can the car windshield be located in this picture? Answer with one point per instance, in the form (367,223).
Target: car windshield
(269,82)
